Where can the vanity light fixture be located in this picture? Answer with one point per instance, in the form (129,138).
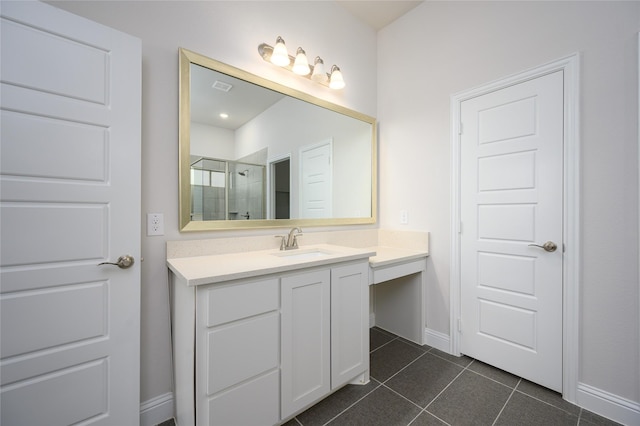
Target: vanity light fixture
(279,55)
(299,65)
(318,71)
(335,79)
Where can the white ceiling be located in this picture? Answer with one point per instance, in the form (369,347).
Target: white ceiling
(378,14)
(243,102)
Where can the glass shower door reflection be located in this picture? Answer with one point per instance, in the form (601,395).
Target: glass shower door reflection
(227,190)
(208,189)
(246,191)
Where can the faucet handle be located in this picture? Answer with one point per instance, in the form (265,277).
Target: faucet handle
(295,239)
(283,241)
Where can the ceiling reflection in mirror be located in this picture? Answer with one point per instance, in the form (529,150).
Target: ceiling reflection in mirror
(256,154)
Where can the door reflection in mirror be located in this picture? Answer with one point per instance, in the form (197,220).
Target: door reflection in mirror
(281,195)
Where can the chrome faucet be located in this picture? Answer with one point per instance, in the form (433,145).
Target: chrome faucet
(292,241)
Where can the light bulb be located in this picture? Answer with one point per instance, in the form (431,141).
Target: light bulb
(280,56)
(318,70)
(335,80)
(301,65)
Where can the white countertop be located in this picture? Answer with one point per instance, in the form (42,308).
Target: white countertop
(391,255)
(198,270)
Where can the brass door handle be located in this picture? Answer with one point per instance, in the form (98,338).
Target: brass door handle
(549,246)
(123,262)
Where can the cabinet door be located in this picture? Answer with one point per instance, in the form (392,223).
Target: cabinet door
(305,324)
(349,322)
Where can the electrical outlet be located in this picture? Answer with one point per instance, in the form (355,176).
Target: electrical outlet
(404,217)
(155,224)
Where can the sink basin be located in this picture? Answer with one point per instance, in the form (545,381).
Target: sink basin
(302,254)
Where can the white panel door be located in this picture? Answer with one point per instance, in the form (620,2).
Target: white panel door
(511,198)
(70,188)
(316,178)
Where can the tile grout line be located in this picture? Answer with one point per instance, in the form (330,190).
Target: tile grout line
(494,380)
(506,402)
(382,384)
(448,385)
(451,362)
(433,415)
(399,371)
(515,388)
(549,404)
(422,410)
(403,397)
(383,345)
(350,406)
(428,413)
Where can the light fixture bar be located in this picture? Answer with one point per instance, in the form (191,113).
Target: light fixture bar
(266,51)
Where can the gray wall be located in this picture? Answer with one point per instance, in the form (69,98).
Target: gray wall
(448,47)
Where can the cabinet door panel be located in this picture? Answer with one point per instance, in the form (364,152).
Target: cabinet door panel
(349,323)
(305,340)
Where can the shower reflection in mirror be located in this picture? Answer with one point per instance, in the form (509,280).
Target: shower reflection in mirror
(226,190)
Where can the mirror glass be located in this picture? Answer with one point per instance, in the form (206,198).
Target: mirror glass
(255,154)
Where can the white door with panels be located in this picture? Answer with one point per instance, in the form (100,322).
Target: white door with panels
(70,188)
(511,211)
(316,177)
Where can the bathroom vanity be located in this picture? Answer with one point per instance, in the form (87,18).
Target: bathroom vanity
(398,282)
(259,336)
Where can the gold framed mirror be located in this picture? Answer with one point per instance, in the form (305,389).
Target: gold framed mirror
(279,158)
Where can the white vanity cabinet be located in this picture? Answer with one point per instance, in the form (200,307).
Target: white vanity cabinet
(257,350)
(306,351)
(237,353)
(349,324)
(325,333)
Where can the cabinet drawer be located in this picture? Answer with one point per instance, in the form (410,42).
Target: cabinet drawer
(230,303)
(255,403)
(241,350)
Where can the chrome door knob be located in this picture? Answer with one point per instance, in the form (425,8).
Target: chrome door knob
(123,262)
(549,246)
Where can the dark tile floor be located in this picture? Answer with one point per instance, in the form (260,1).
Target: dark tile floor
(422,386)
(419,386)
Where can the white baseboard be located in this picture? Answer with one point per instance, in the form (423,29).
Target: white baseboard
(156,410)
(437,340)
(608,405)
(372,320)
